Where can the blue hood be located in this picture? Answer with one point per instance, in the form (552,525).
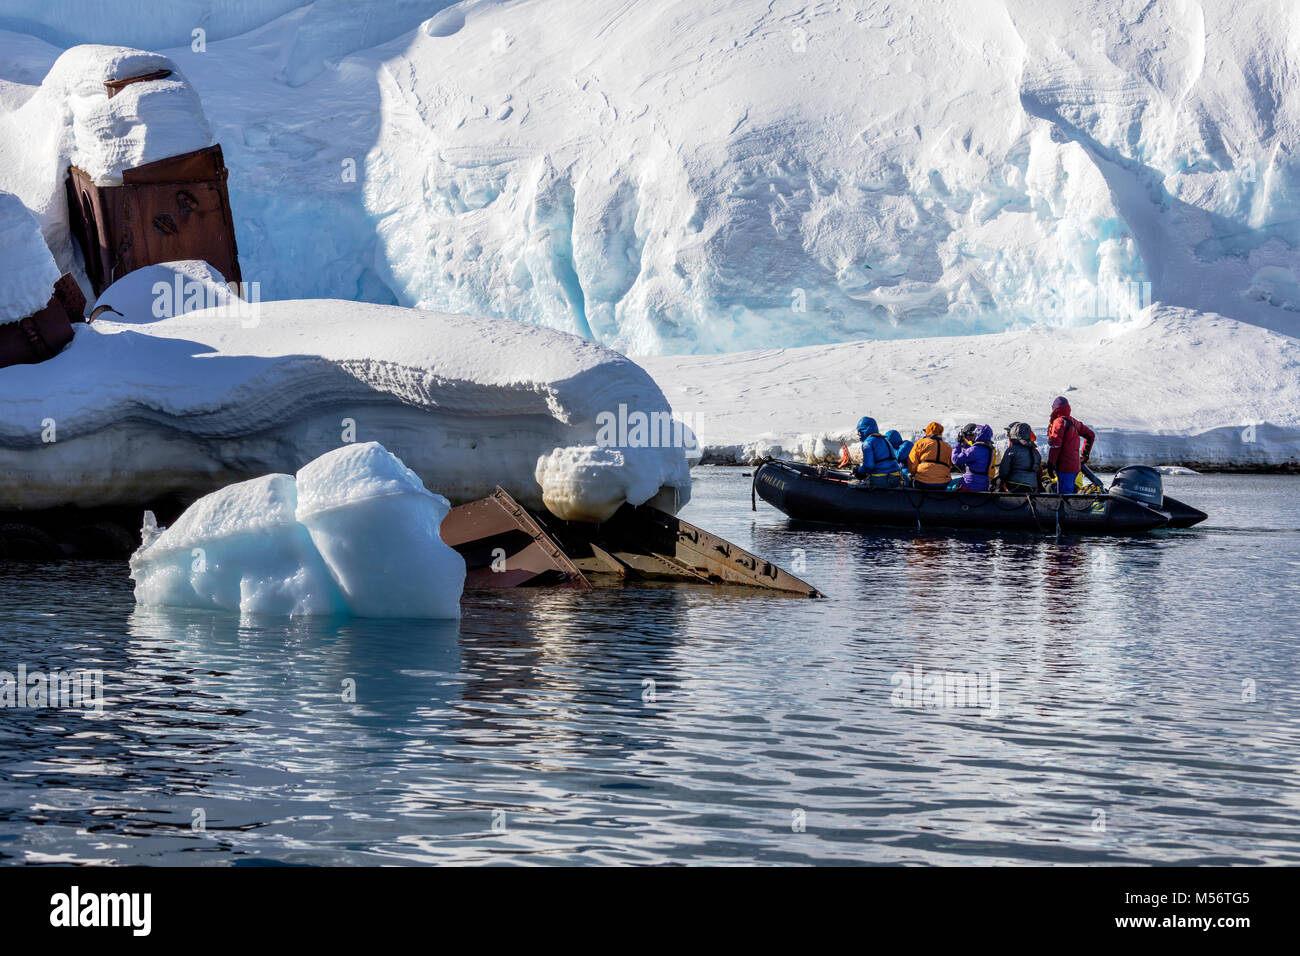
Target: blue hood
(894,438)
(984,434)
(866,426)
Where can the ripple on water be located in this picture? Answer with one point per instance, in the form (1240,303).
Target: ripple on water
(1147,711)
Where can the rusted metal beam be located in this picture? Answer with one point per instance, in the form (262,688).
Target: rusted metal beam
(646,544)
(504,547)
(115,86)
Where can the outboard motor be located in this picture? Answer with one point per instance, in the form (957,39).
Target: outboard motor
(1139,483)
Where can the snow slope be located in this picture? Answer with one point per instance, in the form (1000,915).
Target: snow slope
(737,174)
(1172,387)
(134,410)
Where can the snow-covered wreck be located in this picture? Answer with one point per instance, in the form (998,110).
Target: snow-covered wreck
(37,305)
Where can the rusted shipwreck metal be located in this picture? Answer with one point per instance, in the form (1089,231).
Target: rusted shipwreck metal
(44,333)
(174,208)
(505,545)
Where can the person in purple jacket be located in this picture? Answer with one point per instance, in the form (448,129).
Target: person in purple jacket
(974,452)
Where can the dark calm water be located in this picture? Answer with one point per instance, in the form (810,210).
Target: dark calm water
(1148,710)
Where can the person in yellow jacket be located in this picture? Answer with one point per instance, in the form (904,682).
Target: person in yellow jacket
(930,460)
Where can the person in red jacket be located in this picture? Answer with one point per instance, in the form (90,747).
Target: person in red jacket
(1063,437)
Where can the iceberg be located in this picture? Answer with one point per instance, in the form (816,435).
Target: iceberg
(355,533)
(376,526)
(238,549)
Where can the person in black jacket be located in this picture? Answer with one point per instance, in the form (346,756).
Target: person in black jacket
(1021,467)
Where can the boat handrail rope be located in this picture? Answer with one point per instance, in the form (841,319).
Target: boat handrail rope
(1078,503)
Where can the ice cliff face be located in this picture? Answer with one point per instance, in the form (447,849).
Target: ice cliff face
(725,175)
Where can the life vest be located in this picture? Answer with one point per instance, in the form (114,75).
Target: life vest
(1020,475)
(925,470)
(893,456)
(993,459)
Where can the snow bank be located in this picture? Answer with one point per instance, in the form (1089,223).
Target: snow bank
(28,273)
(742,175)
(145,407)
(355,533)
(1173,387)
(163,290)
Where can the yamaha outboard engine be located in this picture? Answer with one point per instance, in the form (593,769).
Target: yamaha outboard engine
(1139,483)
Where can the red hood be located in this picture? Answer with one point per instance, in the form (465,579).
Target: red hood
(1058,412)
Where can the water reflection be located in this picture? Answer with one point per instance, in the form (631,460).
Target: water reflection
(664,724)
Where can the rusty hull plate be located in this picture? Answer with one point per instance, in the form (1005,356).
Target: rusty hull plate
(503,547)
(638,545)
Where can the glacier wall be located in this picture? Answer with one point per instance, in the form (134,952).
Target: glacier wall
(733,175)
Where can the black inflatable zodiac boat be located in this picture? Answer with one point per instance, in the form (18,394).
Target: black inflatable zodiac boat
(1134,503)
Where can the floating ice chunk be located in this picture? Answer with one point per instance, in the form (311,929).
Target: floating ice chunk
(362,539)
(28,277)
(589,483)
(377,527)
(238,549)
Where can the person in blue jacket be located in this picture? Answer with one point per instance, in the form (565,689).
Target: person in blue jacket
(879,468)
(901,448)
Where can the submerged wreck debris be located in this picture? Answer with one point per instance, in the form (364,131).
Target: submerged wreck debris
(505,545)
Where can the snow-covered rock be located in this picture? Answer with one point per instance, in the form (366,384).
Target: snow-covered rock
(355,533)
(27,272)
(135,409)
(167,289)
(1173,386)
